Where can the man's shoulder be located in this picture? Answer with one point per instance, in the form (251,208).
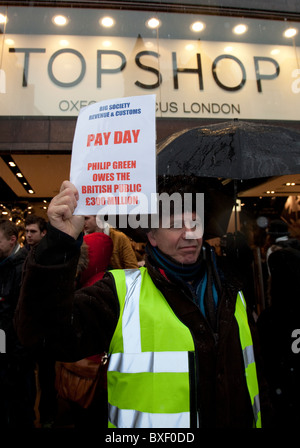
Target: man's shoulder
(121,239)
(118,234)
(20,256)
(16,259)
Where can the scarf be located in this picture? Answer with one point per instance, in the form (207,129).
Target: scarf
(201,278)
(184,272)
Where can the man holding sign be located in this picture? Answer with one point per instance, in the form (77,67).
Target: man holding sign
(174,330)
(175,333)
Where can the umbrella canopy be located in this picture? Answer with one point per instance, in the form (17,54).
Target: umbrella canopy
(236,150)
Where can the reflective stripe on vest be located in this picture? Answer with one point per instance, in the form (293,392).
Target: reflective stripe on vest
(148,371)
(248,355)
(138,358)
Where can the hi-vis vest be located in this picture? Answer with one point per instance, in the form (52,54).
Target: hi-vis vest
(151,371)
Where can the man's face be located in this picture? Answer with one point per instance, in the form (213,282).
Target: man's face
(90,224)
(6,245)
(182,240)
(33,234)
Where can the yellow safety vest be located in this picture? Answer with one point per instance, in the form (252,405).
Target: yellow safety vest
(248,355)
(148,376)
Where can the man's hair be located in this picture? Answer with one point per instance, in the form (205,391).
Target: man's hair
(9,228)
(181,186)
(34,219)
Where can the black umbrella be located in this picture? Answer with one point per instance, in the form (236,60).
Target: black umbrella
(234,149)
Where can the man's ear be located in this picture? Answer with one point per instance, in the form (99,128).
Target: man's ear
(151,238)
(13,240)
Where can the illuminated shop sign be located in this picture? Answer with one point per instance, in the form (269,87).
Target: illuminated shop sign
(191,79)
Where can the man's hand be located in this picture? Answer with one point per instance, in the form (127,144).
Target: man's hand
(61,209)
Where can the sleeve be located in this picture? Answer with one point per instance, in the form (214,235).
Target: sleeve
(70,324)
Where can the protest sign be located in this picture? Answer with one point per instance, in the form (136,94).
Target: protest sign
(113,157)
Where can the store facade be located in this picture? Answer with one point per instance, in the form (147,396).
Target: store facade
(206,63)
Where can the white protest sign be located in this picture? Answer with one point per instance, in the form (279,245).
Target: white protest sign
(113,162)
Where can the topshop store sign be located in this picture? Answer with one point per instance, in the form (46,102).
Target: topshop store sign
(58,75)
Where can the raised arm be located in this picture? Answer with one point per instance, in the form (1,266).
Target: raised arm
(72,324)
(61,209)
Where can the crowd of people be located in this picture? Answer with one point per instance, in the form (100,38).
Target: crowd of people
(97,336)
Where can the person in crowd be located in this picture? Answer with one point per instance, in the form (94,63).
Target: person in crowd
(278,236)
(123,256)
(240,256)
(17,378)
(100,249)
(176,331)
(279,334)
(35,229)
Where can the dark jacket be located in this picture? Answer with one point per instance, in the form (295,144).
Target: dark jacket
(10,284)
(76,326)
(17,379)
(279,344)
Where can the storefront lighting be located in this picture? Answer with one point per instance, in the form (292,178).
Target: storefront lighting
(153,23)
(290,184)
(240,29)
(64,42)
(291,32)
(3,18)
(60,20)
(228,49)
(149,44)
(17,172)
(275,51)
(107,22)
(197,26)
(9,42)
(189,47)
(107,44)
